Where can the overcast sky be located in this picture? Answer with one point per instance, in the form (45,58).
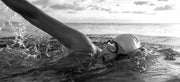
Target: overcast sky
(112,11)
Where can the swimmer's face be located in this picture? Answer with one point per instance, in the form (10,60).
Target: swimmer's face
(112,51)
(111,47)
(108,51)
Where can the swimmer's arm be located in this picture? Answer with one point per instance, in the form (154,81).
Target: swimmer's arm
(71,38)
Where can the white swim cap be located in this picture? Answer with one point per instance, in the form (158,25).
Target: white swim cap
(127,43)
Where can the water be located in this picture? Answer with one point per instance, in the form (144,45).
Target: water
(169,30)
(140,28)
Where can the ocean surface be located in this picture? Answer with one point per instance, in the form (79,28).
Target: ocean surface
(107,28)
(161,70)
(142,29)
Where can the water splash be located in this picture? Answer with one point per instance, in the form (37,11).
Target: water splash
(19,29)
(3,9)
(18,26)
(2,25)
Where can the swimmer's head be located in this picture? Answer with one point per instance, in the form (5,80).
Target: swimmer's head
(123,44)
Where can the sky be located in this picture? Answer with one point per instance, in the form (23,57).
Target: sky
(111,11)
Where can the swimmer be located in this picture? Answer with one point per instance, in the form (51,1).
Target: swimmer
(82,49)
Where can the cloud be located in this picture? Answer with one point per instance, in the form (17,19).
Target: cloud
(126,12)
(152,4)
(162,8)
(71,12)
(44,3)
(135,12)
(37,2)
(141,2)
(66,7)
(106,9)
(100,1)
(162,0)
(138,12)
(94,7)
